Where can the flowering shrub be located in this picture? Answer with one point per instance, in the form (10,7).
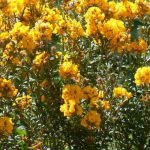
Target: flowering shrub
(74,74)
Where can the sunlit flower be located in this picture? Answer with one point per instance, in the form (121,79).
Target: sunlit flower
(91,119)
(68,69)
(120,92)
(142,76)
(6,126)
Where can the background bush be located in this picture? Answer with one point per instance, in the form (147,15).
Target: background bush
(74,74)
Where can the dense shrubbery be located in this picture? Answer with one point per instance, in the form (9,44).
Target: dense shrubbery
(74,74)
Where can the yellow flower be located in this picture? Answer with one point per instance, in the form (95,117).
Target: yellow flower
(145,98)
(67,69)
(93,18)
(65,110)
(4,36)
(15,61)
(79,110)
(105,105)
(91,119)
(89,92)
(93,102)
(66,58)
(23,101)
(132,9)
(71,95)
(45,29)
(7,89)
(113,28)
(74,28)
(101,94)
(40,60)
(28,42)
(58,54)
(121,92)
(72,92)
(143,7)
(124,9)
(142,76)
(6,126)
(120,11)
(19,30)
(139,47)
(103,4)
(94,14)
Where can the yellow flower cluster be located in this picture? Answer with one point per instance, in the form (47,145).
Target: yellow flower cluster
(93,94)
(142,76)
(30,29)
(93,18)
(70,26)
(115,31)
(16,6)
(124,9)
(19,30)
(4,36)
(105,105)
(80,5)
(91,119)
(8,56)
(143,7)
(71,95)
(44,30)
(137,47)
(118,10)
(68,69)
(23,101)
(54,17)
(74,28)
(113,28)
(61,25)
(120,92)
(96,97)
(103,4)
(23,36)
(103,17)
(40,60)
(90,92)
(6,126)
(7,89)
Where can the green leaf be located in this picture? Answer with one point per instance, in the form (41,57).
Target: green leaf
(21,131)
